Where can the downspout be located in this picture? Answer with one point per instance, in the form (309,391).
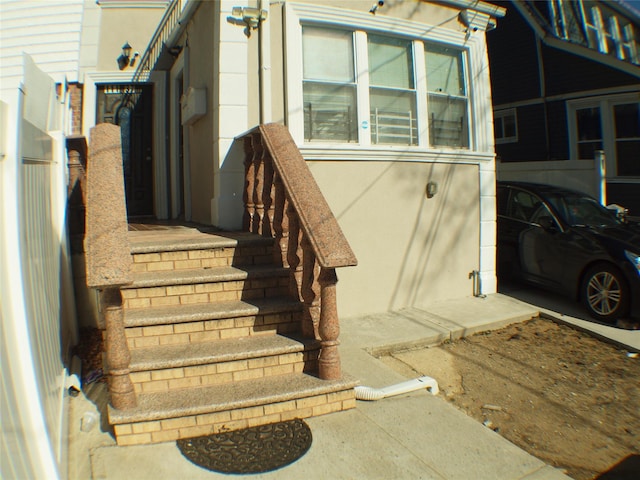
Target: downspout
(264,65)
(369,393)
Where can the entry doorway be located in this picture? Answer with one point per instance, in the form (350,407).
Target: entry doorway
(130,107)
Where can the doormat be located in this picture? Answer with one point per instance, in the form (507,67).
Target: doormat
(252,450)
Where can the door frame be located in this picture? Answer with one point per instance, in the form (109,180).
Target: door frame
(179,192)
(158,128)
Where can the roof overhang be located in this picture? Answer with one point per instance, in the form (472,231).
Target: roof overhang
(575,49)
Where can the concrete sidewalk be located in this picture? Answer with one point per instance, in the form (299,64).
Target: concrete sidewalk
(411,436)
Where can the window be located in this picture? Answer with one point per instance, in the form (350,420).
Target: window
(589,132)
(609,33)
(329,87)
(523,206)
(371,88)
(611,124)
(505,126)
(448,122)
(626,118)
(392,96)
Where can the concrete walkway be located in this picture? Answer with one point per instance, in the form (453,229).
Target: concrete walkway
(411,436)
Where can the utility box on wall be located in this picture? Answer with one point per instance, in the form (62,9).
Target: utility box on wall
(193,104)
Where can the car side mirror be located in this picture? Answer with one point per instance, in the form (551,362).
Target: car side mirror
(547,223)
(619,212)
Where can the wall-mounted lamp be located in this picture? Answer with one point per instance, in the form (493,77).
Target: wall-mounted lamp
(125,60)
(251,17)
(432,189)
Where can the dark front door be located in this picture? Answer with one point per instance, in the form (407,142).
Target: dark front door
(129,107)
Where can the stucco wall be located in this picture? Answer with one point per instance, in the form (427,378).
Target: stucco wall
(433,13)
(201,134)
(411,250)
(119,25)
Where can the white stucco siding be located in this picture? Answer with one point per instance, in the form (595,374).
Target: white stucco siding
(411,250)
(48,31)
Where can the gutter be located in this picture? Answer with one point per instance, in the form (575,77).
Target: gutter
(482,7)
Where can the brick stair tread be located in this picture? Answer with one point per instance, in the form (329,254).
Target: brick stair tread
(183,355)
(204,275)
(208,311)
(191,239)
(217,398)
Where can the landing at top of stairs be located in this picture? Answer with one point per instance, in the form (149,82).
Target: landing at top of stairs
(190,239)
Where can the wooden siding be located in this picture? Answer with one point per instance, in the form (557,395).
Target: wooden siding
(566,73)
(531,145)
(558,126)
(513,60)
(49,31)
(538,139)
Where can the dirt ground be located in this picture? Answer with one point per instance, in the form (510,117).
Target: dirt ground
(569,399)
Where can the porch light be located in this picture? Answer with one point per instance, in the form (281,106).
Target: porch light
(126,50)
(125,59)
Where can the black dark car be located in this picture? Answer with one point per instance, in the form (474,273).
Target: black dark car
(568,242)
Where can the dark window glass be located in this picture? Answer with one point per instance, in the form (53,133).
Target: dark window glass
(523,205)
(627,118)
(627,125)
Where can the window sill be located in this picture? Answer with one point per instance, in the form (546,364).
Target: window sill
(391,153)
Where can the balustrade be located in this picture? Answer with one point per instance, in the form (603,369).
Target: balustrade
(282,201)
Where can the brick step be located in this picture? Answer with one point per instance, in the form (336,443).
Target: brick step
(204,322)
(171,367)
(189,250)
(193,412)
(202,285)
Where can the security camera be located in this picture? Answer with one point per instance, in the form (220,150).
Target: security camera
(376,6)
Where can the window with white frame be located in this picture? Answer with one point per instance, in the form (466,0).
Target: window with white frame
(329,85)
(609,32)
(626,118)
(505,126)
(448,117)
(392,96)
(611,124)
(403,91)
(589,132)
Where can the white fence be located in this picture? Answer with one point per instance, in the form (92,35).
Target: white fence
(37,308)
(582,175)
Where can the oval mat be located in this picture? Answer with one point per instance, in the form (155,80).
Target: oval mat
(252,450)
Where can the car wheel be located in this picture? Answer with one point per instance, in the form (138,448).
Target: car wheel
(605,292)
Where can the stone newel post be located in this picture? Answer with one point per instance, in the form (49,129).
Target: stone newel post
(108,254)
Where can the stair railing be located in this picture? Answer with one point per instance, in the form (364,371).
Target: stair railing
(169,20)
(283,201)
(108,253)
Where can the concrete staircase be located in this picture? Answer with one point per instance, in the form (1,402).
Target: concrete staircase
(214,334)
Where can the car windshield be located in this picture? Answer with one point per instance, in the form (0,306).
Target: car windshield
(580,210)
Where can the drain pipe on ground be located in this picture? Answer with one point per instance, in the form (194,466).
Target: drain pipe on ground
(369,393)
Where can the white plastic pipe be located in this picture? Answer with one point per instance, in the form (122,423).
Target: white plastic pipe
(369,393)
